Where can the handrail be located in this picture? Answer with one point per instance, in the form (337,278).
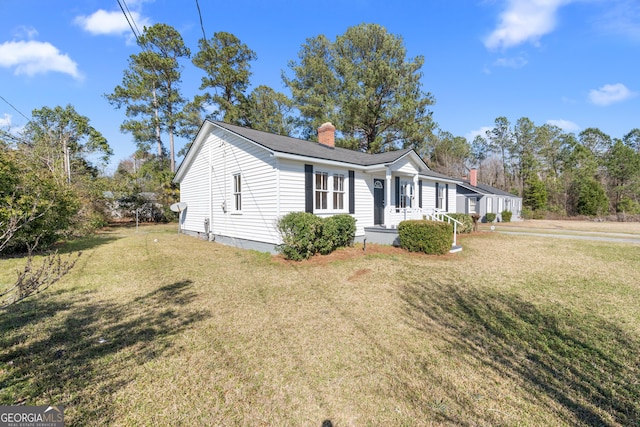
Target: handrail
(438,214)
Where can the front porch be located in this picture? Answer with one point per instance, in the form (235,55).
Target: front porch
(388,235)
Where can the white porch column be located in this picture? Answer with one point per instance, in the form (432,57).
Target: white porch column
(387,200)
(414,200)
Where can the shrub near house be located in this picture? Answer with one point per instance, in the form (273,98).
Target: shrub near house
(305,234)
(430,237)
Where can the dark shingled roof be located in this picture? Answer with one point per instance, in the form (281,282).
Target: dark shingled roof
(486,189)
(289,145)
(301,147)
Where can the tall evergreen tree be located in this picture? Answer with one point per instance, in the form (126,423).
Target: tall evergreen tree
(366,86)
(150,89)
(269,111)
(227,64)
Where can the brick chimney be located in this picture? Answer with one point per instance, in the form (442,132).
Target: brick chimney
(327,134)
(473,177)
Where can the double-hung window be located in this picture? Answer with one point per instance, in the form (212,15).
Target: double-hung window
(322,190)
(472,205)
(489,205)
(237,192)
(338,192)
(440,197)
(406,191)
(329,191)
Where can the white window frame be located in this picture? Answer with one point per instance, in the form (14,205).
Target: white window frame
(338,191)
(329,191)
(500,204)
(321,190)
(440,203)
(489,205)
(237,192)
(473,205)
(406,194)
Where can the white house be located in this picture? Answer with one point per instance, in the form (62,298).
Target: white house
(474,197)
(237,182)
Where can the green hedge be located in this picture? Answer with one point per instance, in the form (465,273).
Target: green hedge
(490,217)
(506,216)
(305,234)
(430,237)
(466,220)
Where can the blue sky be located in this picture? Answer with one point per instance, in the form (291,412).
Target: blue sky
(574,63)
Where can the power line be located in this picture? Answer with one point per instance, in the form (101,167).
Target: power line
(11,105)
(135,34)
(132,20)
(201,24)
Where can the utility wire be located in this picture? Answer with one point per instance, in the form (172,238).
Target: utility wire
(11,105)
(135,34)
(132,20)
(204,36)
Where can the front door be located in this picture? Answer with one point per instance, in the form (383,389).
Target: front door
(378,201)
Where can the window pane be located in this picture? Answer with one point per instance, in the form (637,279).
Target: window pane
(338,201)
(237,193)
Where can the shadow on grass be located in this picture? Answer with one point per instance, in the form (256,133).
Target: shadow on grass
(588,366)
(74,350)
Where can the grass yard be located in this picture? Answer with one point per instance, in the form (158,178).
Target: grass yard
(154,328)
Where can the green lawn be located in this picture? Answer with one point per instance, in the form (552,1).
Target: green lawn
(155,328)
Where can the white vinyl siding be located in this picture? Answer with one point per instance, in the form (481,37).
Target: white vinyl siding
(258,198)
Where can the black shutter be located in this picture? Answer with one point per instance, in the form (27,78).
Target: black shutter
(446,197)
(308,188)
(420,194)
(397,194)
(352,192)
(437,200)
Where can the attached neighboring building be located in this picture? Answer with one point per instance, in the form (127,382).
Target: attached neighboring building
(237,182)
(473,197)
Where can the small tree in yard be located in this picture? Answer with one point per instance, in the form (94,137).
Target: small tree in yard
(30,215)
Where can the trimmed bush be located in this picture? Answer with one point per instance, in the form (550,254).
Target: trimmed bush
(305,234)
(430,237)
(466,220)
(490,217)
(506,216)
(338,231)
(300,232)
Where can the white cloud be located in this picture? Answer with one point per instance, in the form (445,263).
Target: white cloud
(34,57)
(5,120)
(566,125)
(524,21)
(609,94)
(481,132)
(102,22)
(25,32)
(515,62)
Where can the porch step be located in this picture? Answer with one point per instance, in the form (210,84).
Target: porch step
(455,249)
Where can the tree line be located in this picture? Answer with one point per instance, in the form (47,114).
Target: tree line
(362,81)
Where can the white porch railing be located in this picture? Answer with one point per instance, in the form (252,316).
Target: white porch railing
(434,215)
